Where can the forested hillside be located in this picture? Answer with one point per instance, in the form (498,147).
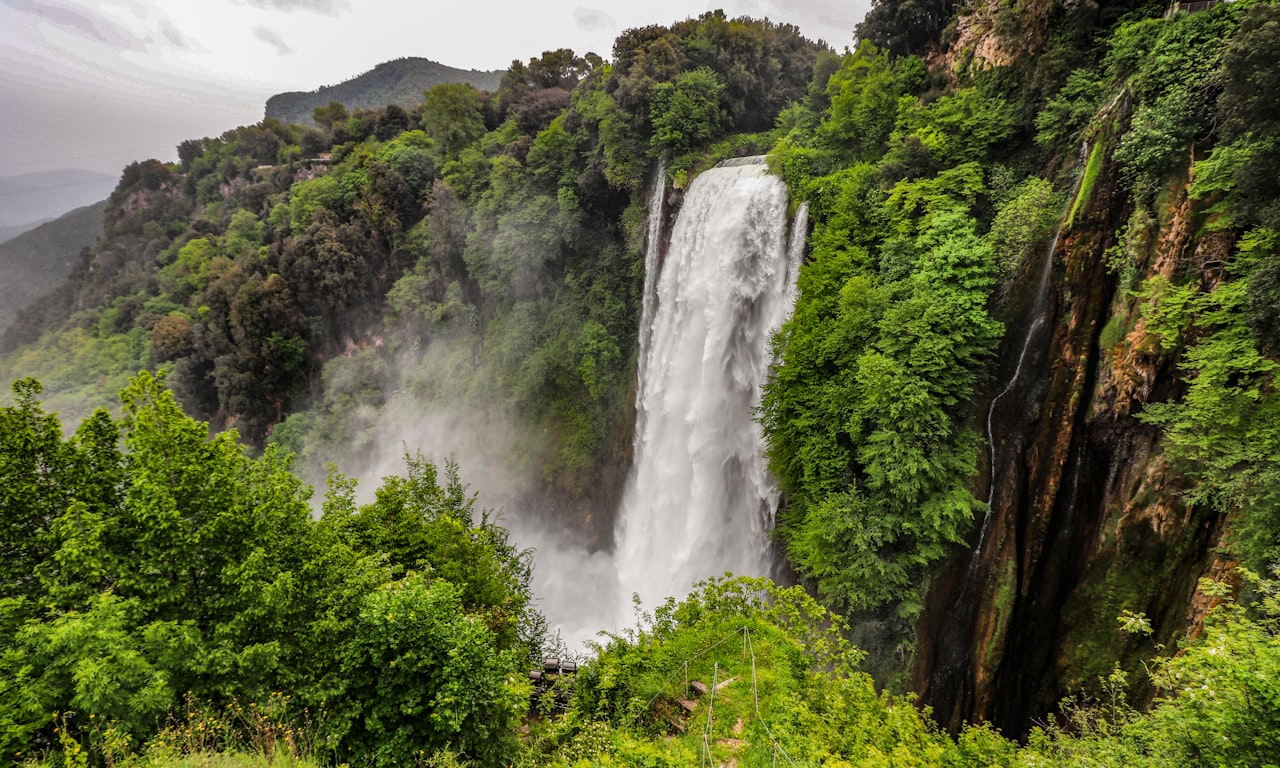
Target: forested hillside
(481,249)
(37,261)
(1022,416)
(400,82)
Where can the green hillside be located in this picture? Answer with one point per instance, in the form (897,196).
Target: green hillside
(40,259)
(400,81)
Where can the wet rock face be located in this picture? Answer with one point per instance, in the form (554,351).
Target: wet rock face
(1087,518)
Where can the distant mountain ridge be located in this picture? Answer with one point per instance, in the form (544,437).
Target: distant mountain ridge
(33,198)
(10,231)
(36,261)
(400,81)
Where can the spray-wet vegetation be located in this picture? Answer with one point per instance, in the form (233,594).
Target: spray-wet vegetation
(1022,418)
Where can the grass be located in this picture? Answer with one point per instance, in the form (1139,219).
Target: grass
(1091,170)
(220,760)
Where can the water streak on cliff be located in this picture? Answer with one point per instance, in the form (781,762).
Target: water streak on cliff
(1038,310)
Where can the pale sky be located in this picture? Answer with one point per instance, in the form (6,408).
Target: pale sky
(98,83)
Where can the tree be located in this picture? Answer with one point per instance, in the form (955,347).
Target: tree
(452,116)
(331,116)
(34,465)
(905,27)
(423,674)
(685,113)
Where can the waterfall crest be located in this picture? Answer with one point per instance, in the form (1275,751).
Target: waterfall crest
(699,500)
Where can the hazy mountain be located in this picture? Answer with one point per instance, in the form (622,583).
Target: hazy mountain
(35,261)
(37,197)
(10,231)
(401,81)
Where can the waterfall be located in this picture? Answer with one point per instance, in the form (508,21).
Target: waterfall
(1038,310)
(699,500)
(652,261)
(1038,306)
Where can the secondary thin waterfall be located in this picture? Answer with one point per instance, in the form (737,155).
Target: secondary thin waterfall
(652,253)
(699,501)
(1039,310)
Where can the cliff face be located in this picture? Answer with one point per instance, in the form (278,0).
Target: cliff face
(1087,519)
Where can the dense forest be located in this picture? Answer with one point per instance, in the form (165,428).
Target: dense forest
(1022,416)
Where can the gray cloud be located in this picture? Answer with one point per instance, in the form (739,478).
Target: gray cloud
(178,40)
(83,23)
(271,37)
(326,7)
(592,20)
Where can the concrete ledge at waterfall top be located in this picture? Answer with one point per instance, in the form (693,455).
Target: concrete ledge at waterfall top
(735,162)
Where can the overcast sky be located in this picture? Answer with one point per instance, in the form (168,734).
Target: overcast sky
(97,84)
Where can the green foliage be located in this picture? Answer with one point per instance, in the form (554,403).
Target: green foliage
(750,69)
(1223,429)
(1166,308)
(142,560)
(451,116)
(905,27)
(1023,223)
(1065,116)
(859,417)
(796,694)
(954,129)
(863,95)
(863,418)
(423,675)
(1222,693)
(307,198)
(1247,109)
(331,115)
(163,563)
(686,111)
(789,690)
(30,489)
(1174,69)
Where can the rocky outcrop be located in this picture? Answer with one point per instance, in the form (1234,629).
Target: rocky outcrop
(1087,517)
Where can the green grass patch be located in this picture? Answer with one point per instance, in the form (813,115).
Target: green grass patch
(1091,170)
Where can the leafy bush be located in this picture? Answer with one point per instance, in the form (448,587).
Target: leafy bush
(162,564)
(1023,223)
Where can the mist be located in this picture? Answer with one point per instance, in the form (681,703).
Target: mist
(430,409)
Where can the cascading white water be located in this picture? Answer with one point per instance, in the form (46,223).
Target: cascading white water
(652,252)
(699,500)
